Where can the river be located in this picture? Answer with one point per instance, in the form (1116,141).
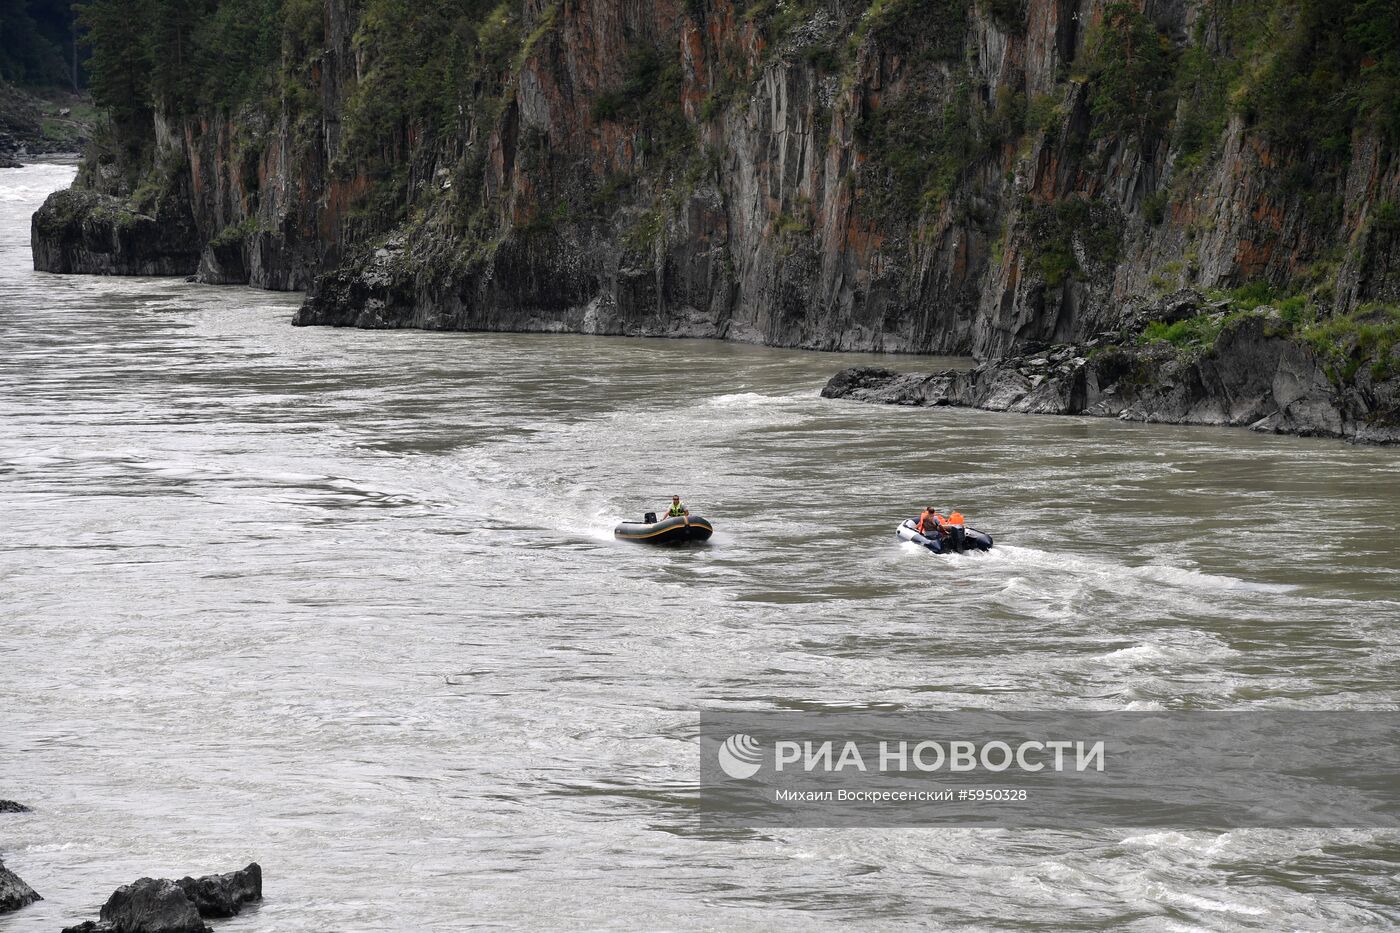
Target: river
(347,603)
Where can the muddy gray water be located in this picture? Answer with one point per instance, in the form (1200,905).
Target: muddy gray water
(347,603)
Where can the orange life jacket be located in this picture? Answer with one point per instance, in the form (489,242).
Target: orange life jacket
(956,519)
(930,521)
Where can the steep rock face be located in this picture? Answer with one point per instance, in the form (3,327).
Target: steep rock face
(84,231)
(910,175)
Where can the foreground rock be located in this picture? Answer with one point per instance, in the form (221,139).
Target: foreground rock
(14,893)
(159,905)
(1256,374)
(223,895)
(85,231)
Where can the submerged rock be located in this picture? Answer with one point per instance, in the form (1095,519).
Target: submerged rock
(9,806)
(14,893)
(159,905)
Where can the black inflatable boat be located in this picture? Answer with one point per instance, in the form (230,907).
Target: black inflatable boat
(682,529)
(973,540)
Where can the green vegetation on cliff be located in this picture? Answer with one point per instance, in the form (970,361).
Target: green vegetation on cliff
(180,56)
(1301,72)
(1129,66)
(1368,336)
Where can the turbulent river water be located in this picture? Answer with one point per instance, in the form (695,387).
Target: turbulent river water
(347,603)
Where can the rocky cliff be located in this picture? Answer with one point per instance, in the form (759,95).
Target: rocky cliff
(974,176)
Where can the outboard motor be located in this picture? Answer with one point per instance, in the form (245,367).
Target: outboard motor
(649,518)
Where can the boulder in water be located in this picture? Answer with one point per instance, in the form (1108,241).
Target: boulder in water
(14,893)
(159,905)
(224,895)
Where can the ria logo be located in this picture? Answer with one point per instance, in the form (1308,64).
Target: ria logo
(740,756)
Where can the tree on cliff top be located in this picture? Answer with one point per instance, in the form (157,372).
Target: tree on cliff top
(36,43)
(179,56)
(121,63)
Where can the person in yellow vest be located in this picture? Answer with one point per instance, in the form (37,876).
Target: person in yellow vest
(677,509)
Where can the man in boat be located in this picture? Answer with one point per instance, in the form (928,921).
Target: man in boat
(930,523)
(677,509)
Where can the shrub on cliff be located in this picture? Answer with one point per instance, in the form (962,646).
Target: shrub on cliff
(1129,65)
(1368,336)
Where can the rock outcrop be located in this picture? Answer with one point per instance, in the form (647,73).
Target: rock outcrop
(159,905)
(14,893)
(149,905)
(1256,374)
(224,895)
(85,231)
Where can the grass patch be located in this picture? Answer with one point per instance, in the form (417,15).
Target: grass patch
(1197,333)
(1344,343)
(234,234)
(1367,336)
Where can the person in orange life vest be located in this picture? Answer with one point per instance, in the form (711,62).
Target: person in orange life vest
(955,528)
(930,523)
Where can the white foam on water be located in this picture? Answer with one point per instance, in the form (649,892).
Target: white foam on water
(1189,901)
(744,400)
(1112,573)
(1198,580)
(1158,654)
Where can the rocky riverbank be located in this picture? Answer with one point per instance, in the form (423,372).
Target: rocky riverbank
(33,124)
(1252,369)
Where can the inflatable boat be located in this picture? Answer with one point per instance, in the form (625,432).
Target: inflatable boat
(973,540)
(682,529)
